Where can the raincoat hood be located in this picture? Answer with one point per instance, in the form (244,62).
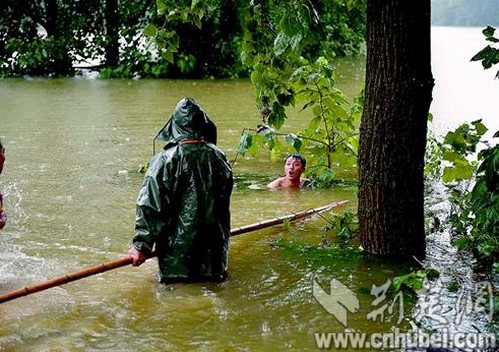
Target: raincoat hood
(187,121)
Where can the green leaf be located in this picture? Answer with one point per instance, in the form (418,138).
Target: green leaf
(256,77)
(168,56)
(281,43)
(161,6)
(247,46)
(245,142)
(195,3)
(456,140)
(313,124)
(488,55)
(277,115)
(295,141)
(317,111)
(197,22)
(492,169)
(150,30)
(480,127)
(489,34)
(482,54)
(492,59)
(413,280)
(458,172)
(450,155)
(462,243)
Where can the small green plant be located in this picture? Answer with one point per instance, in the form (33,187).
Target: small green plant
(414,280)
(453,286)
(345,226)
(329,141)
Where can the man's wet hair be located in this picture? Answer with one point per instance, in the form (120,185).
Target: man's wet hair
(299,157)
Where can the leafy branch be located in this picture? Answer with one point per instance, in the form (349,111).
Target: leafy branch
(330,139)
(489,56)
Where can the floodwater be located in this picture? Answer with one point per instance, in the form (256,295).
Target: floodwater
(74,147)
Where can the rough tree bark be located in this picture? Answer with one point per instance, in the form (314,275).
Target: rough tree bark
(398,95)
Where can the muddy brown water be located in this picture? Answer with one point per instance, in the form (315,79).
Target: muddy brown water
(70,182)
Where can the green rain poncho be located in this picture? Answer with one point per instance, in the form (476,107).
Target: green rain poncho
(183,204)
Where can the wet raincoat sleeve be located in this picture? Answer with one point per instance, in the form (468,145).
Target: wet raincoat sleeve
(149,206)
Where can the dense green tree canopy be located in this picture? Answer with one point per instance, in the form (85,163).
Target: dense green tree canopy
(47,38)
(163,38)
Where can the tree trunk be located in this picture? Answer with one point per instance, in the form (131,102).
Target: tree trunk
(398,94)
(112,33)
(58,60)
(51,19)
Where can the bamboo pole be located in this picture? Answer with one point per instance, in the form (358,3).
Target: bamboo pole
(61,280)
(65,279)
(282,219)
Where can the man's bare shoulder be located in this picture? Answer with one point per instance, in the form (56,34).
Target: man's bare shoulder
(277,183)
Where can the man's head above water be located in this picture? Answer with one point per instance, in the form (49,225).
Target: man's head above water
(294,165)
(298,157)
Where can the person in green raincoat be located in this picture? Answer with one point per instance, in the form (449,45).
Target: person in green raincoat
(182,210)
